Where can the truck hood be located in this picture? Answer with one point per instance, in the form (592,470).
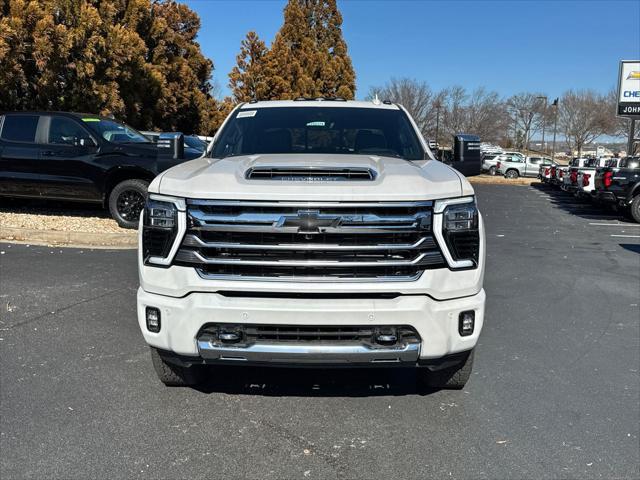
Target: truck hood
(395,179)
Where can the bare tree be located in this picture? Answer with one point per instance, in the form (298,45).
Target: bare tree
(527,112)
(583,117)
(417,97)
(480,112)
(616,126)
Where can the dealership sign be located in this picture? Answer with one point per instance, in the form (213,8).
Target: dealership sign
(629,89)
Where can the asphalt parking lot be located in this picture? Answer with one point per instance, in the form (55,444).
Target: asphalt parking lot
(555,391)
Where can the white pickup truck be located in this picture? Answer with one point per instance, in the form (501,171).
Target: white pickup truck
(518,166)
(587,174)
(313,233)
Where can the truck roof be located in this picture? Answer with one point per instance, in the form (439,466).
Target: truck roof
(320,102)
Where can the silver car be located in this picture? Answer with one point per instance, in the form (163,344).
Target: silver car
(518,166)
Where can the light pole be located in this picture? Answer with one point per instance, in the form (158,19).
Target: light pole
(555,127)
(528,139)
(437,107)
(544,118)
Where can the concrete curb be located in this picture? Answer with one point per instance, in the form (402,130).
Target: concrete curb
(80,239)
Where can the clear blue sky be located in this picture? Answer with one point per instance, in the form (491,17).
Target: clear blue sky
(507,46)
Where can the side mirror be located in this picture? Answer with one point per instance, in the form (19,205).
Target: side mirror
(171,145)
(466,154)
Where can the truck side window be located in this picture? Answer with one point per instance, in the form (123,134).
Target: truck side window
(64,131)
(20,128)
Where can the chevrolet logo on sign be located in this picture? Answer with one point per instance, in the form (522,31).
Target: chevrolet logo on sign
(629,89)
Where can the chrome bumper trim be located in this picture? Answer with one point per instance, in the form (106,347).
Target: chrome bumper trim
(309,354)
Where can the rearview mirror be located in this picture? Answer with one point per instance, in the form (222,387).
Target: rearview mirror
(84,142)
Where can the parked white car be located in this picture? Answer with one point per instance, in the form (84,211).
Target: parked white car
(313,233)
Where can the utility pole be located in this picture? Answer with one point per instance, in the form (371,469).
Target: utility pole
(555,128)
(632,137)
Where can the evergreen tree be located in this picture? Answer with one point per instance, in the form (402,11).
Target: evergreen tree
(308,57)
(136,59)
(247,79)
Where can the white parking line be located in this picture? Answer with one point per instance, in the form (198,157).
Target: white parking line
(626,236)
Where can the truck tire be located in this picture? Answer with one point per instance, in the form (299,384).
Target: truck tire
(512,174)
(453,378)
(126,201)
(635,208)
(173,375)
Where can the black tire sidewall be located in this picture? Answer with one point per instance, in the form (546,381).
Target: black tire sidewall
(511,174)
(136,185)
(635,208)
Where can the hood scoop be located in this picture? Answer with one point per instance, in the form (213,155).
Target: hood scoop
(311,174)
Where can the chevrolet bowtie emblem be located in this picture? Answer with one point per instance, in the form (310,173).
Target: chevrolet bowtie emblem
(308,221)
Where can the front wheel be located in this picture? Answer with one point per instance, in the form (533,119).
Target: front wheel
(512,174)
(635,208)
(454,378)
(173,375)
(126,202)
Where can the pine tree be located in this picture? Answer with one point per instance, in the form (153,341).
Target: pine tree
(308,57)
(247,79)
(136,59)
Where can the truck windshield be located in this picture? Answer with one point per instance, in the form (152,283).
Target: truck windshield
(329,130)
(113,131)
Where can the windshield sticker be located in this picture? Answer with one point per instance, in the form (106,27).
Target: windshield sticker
(247,113)
(89,119)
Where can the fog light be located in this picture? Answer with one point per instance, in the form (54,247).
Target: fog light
(153,319)
(466,322)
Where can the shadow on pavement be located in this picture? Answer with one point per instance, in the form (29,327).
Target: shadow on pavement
(312,382)
(632,247)
(576,206)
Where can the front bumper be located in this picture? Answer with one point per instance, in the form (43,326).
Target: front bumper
(436,322)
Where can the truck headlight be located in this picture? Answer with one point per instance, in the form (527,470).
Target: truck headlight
(459,230)
(160,228)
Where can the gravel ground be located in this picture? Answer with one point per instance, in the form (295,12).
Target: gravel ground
(499,180)
(58,218)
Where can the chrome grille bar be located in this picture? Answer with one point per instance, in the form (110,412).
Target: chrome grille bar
(309,241)
(192,240)
(194,256)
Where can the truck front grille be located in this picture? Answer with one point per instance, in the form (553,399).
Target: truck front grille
(309,241)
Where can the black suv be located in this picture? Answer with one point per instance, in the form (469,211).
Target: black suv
(79,157)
